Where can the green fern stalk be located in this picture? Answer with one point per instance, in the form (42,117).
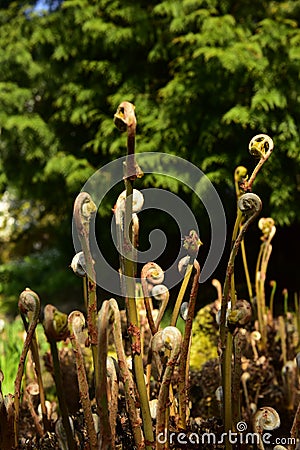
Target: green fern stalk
(273,284)
(125,120)
(192,244)
(183,369)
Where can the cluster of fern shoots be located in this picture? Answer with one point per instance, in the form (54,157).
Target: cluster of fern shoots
(155,352)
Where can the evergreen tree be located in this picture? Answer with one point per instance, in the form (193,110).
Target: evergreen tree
(205,77)
(233,74)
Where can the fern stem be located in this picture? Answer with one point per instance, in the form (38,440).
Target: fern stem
(28,301)
(125,119)
(183,369)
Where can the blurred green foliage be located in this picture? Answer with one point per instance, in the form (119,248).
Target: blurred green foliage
(46,272)
(204,76)
(12,336)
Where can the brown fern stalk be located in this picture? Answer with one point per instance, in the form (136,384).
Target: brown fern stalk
(105,436)
(168,339)
(109,315)
(84,210)
(37,367)
(76,324)
(260,146)
(151,273)
(28,301)
(56,329)
(250,205)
